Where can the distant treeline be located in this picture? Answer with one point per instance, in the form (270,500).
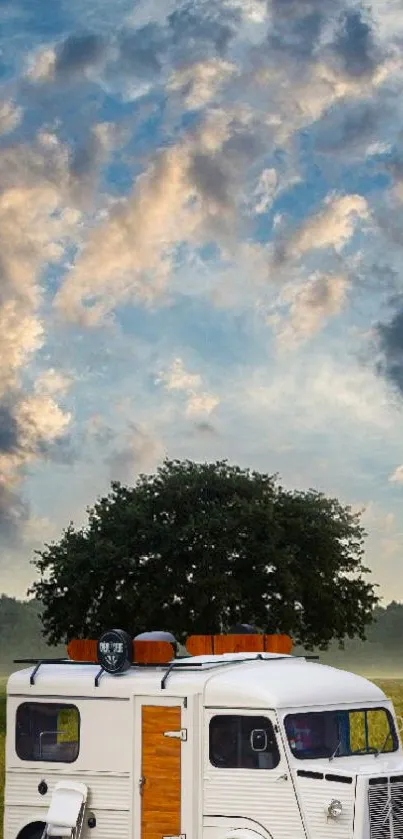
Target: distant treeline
(381,655)
(21,633)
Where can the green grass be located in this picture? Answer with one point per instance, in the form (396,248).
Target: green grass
(392,687)
(394,690)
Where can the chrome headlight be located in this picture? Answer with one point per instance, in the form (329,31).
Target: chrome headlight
(335,809)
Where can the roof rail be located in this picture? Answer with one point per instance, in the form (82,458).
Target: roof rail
(184,663)
(39,661)
(176,665)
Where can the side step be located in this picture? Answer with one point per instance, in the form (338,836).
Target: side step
(65,817)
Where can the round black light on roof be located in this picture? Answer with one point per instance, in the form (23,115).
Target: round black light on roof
(115,651)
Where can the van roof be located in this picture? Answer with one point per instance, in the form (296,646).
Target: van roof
(232,680)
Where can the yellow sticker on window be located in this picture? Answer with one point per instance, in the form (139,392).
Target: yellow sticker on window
(67,726)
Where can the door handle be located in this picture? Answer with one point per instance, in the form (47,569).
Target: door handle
(282,777)
(142,781)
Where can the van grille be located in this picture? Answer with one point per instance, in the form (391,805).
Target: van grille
(385,797)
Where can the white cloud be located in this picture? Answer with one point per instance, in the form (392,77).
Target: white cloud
(333,226)
(130,255)
(51,382)
(21,334)
(266,190)
(397,476)
(310,305)
(40,419)
(140,451)
(42,64)
(321,393)
(39,423)
(10,116)
(199,83)
(36,224)
(198,402)
(177,378)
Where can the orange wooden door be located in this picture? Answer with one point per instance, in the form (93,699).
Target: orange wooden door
(161,772)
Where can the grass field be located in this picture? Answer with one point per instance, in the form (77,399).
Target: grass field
(392,687)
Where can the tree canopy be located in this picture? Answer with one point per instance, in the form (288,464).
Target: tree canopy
(196,548)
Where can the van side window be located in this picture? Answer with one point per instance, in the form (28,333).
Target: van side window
(47,732)
(237,742)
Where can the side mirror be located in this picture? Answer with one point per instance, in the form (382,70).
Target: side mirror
(258,740)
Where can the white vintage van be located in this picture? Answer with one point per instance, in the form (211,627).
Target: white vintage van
(239,745)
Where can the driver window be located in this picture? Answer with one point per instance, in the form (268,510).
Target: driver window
(242,742)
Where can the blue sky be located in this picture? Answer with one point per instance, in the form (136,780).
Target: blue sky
(201,209)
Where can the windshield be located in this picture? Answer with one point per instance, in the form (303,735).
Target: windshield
(341,733)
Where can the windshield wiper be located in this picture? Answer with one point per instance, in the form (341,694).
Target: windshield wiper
(383,745)
(335,751)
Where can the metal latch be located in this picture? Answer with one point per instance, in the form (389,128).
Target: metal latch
(180,836)
(182,734)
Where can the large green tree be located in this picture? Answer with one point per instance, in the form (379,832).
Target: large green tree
(198,547)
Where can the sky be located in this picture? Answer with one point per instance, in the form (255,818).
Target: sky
(201,234)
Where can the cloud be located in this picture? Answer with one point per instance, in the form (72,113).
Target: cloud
(41,421)
(13,513)
(141,451)
(128,256)
(8,430)
(198,402)
(31,426)
(86,159)
(325,393)
(397,476)
(36,224)
(200,82)
(183,197)
(296,27)
(390,344)
(51,382)
(205,428)
(190,194)
(201,28)
(67,61)
(354,44)
(141,51)
(331,227)
(265,190)
(10,116)
(212,179)
(21,334)
(309,307)
(177,378)
(77,53)
(350,126)
(42,65)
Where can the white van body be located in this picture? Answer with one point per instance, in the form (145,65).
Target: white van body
(144,755)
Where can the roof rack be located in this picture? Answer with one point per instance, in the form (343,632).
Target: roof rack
(184,663)
(39,661)
(176,665)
